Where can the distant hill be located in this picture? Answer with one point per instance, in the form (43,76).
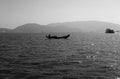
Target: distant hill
(29,28)
(85,26)
(36,28)
(89,26)
(3,30)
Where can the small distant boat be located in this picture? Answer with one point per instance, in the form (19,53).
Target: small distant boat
(109,31)
(56,37)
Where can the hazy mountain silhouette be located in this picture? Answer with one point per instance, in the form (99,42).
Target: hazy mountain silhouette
(85,26)
(3,30)
(29,28)
(36,28)
(89,26)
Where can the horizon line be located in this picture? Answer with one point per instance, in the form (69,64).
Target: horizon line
(60,23)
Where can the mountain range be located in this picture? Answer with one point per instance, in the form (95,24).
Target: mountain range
(84,26)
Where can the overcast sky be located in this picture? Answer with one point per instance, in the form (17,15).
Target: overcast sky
(17,12)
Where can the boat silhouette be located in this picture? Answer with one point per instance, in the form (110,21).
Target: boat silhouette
(108,30)
(57,37)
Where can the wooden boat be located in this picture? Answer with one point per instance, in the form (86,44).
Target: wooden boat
(109,31)
(56,37)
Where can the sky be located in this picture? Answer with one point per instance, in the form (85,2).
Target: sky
(14,13)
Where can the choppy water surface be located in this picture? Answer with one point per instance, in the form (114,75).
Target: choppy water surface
(82,56)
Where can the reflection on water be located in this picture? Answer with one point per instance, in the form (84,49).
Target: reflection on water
(82,56)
